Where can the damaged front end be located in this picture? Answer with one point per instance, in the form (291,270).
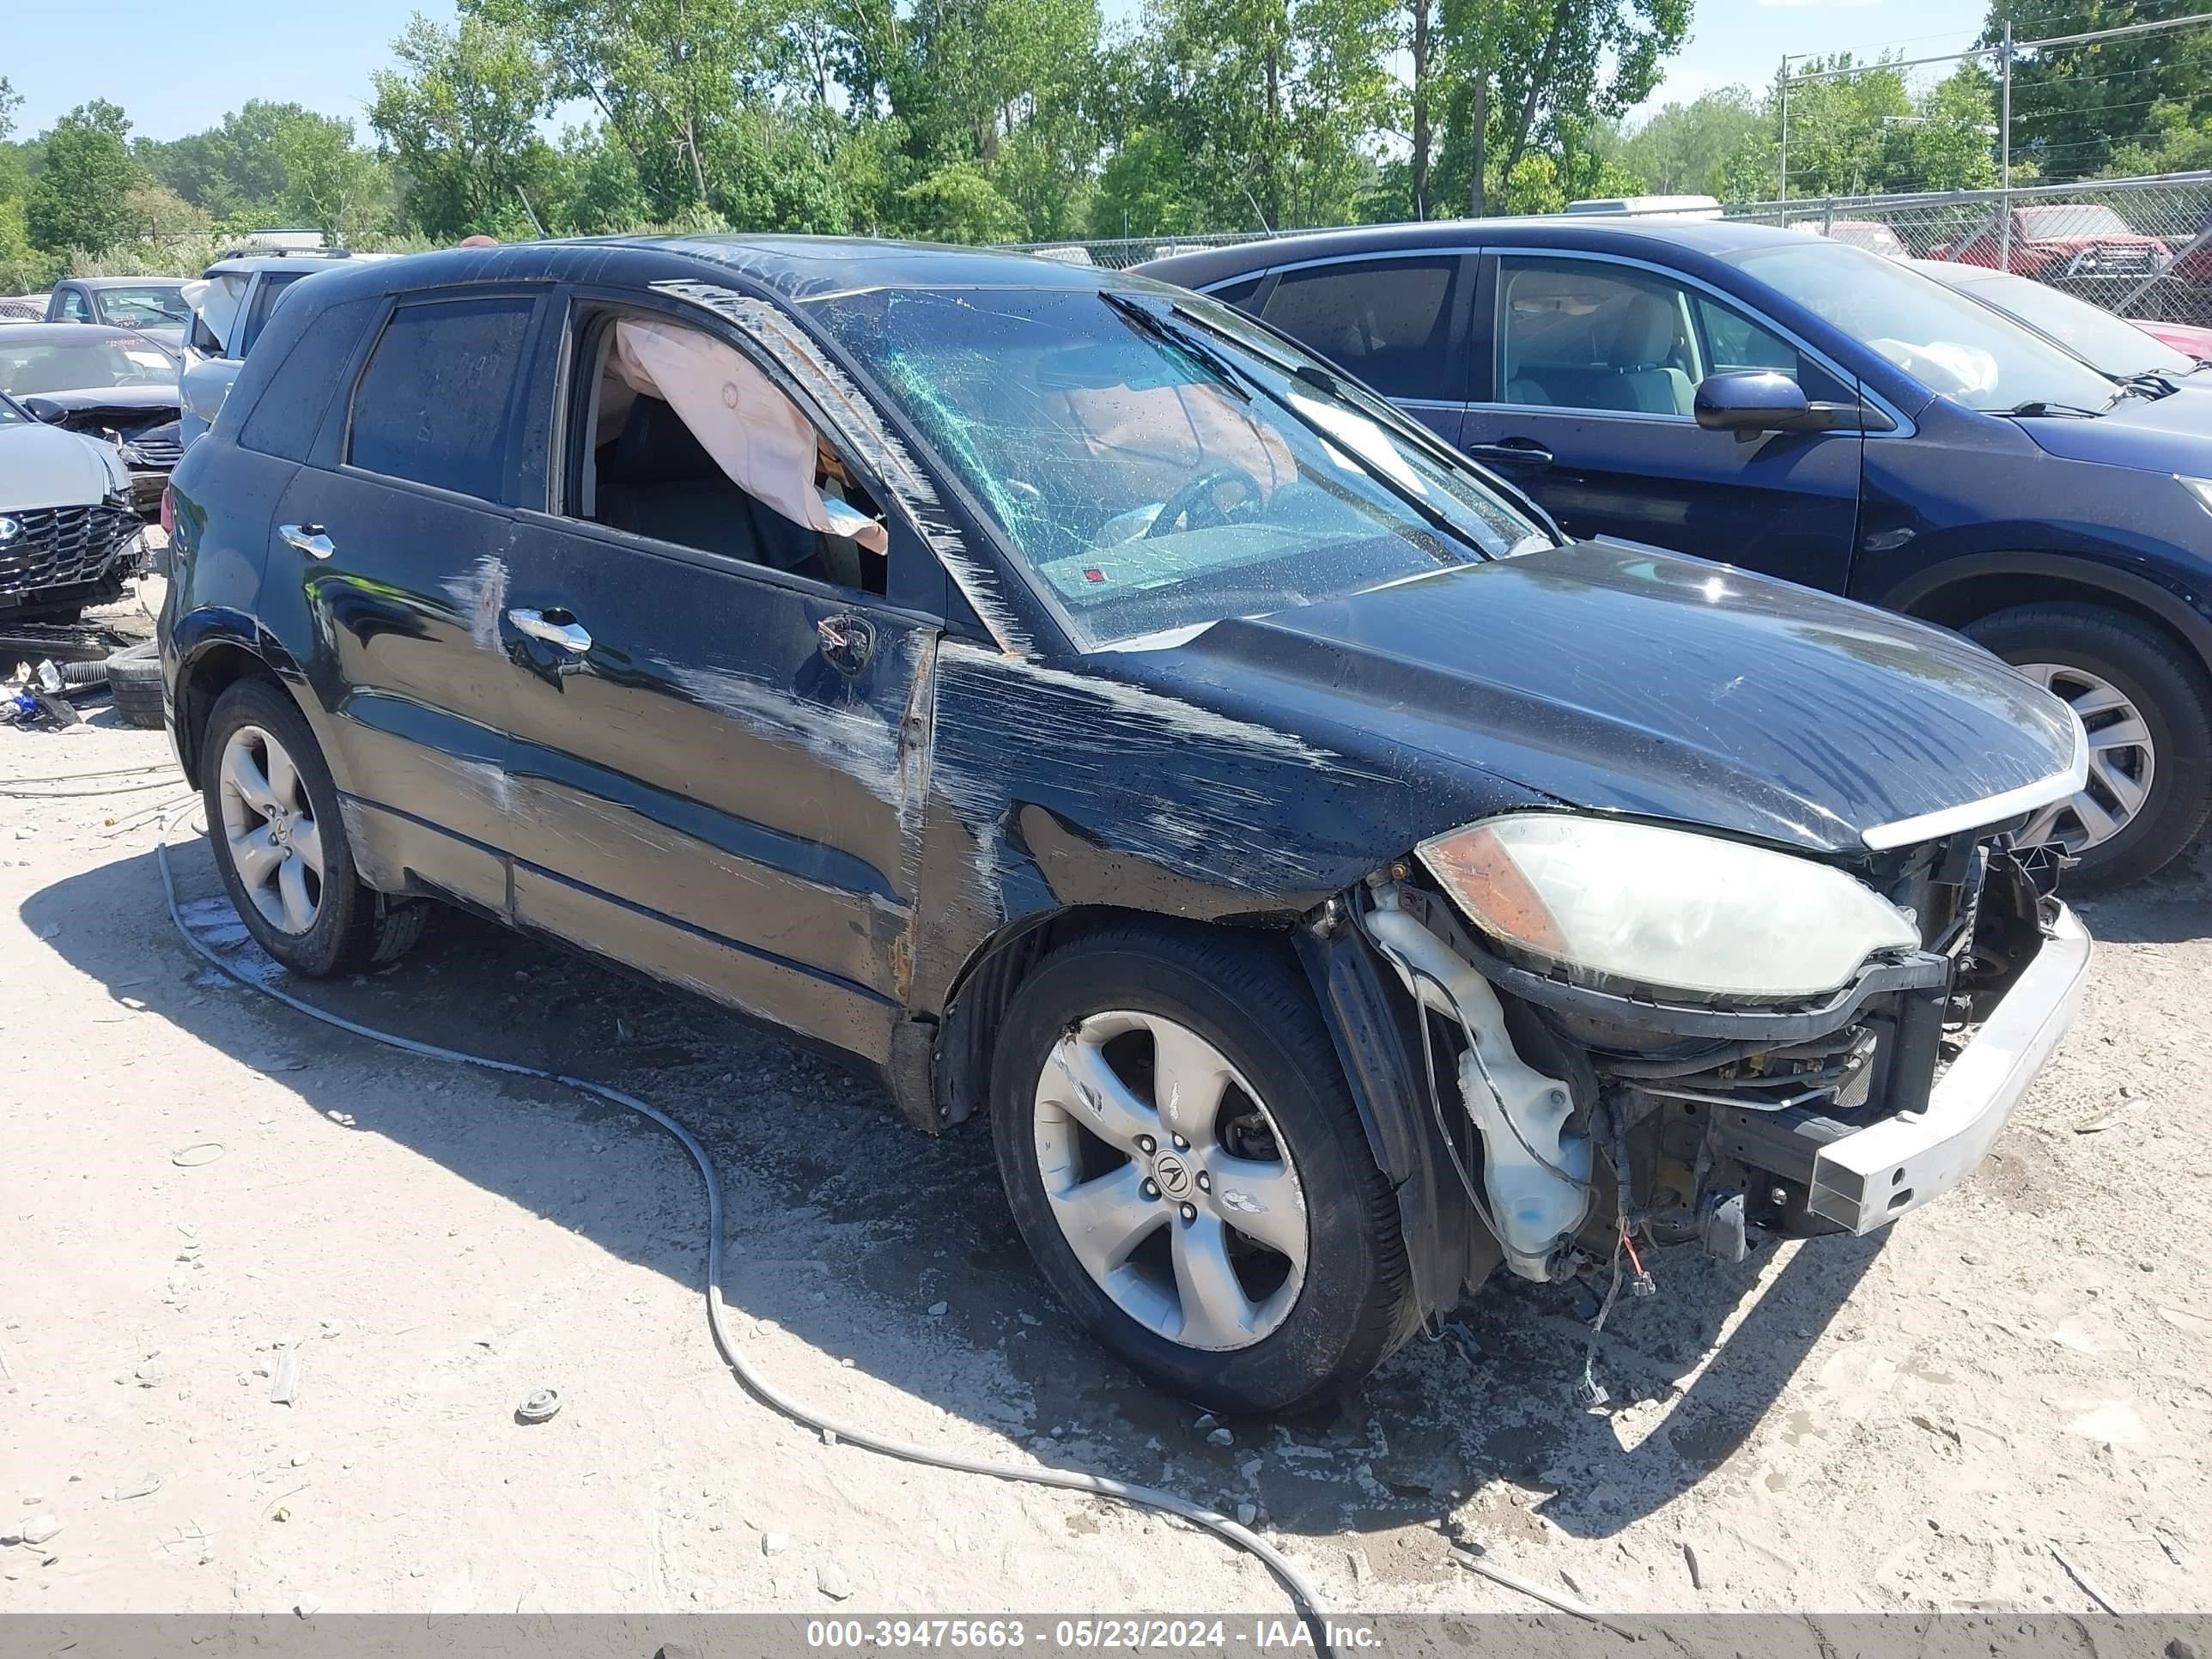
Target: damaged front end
(1615,1035)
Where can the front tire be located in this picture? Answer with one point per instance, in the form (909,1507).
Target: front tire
(1183,1158)
(272,814)
(2147,706)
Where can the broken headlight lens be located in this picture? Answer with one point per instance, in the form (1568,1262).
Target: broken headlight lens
(1635,904)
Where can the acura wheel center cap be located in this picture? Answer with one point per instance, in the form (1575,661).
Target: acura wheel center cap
(1172,1174)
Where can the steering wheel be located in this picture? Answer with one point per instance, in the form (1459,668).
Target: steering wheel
(1197,496)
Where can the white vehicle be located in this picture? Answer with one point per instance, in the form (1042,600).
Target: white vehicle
(69,534)
(230,305)
(1652,207)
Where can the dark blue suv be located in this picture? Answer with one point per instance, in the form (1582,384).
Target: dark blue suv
(1799,407)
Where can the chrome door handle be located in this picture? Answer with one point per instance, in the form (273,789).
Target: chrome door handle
(568,635)
(308,539)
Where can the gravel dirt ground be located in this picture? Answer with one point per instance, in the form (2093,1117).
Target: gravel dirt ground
(202,1190)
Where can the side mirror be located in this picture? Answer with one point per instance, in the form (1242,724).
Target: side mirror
(1749,405)
(45,409)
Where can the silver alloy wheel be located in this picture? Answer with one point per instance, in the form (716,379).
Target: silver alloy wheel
(269,827)
(1171,1181)
(2122,764)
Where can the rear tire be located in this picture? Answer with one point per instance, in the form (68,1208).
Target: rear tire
(1255,1266)
(272,809)
(2127,680)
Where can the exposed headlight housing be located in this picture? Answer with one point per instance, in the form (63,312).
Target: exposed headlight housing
(1635,905)
(2200,488)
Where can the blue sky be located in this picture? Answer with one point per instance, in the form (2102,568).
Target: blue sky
(320,53)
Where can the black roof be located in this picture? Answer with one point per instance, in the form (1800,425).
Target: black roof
(1591,232)
(794,268)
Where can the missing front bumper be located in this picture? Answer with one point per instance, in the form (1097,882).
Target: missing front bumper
(1866,1178)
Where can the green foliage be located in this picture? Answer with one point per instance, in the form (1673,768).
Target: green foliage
(1684,150)
(2096,109)
(1868,133)
(80,199)
(460,117)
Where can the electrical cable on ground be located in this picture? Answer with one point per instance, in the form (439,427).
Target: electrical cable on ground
(1302,1592)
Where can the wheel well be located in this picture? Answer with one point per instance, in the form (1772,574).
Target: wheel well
(1972,598)
(986,988)
(213,673)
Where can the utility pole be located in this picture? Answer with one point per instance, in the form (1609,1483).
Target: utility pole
(1782,192)
(2004,154)
(1481,116)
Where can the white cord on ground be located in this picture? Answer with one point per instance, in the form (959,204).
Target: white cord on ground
(1302,1592)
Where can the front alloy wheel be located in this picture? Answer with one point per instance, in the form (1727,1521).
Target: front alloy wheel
(1166,1174)
(269,824)
(1182,1153)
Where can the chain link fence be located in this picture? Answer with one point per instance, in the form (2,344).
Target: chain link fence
(2141,247)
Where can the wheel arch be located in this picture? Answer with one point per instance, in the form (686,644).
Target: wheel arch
(214,654)
(1963,590)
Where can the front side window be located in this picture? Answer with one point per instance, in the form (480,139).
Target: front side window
(1157,464)
(1952,344)
(1579,334)
(433,404)
(1388,321)
(73,309)
(683,439)
(30,370)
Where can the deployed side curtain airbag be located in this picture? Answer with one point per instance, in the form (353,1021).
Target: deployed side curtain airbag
(217,300)
(755,435)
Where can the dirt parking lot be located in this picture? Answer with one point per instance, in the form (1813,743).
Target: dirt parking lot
(198,1183)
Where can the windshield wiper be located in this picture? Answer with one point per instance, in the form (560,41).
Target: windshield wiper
(2148,384)
(2035,408)
(1148,322)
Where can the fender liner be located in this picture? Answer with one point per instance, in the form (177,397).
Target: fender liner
(194,635)
(1380,1050)
(2182,614)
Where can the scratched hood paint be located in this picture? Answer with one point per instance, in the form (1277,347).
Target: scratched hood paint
(1627,681)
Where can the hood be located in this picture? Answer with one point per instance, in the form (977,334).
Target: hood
(1628,680)
(46,466)
(146,398)
(2151,435)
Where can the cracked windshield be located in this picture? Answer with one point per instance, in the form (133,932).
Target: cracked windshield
(1159,467)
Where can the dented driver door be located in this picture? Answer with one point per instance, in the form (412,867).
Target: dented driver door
(713,771)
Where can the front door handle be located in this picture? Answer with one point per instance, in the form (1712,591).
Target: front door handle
(308,539)
(1512,452)
(553,627)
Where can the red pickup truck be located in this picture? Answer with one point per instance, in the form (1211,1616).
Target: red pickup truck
(2067,239)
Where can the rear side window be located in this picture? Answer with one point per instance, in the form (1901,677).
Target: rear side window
(265,296)
(433,404)
(285,421)
(1388,321)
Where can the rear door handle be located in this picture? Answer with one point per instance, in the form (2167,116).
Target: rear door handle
(553,627)
(308,539)
(1512,452)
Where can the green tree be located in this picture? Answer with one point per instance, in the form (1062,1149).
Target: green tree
(460,119)
(2074,108)
(80,199)
(1866,132)
(1682,149)
(329,182)
(957,204)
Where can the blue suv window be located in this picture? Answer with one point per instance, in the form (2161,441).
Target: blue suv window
(1388,321)
(432,405)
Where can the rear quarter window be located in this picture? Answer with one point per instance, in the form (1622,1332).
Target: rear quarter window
(283,419)
(433,405)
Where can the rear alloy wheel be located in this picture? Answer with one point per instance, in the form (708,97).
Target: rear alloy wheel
(1183,1158)
(268,826)
(272,812)
(2147,706)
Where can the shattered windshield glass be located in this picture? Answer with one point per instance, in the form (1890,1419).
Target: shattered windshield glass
(1158,469)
